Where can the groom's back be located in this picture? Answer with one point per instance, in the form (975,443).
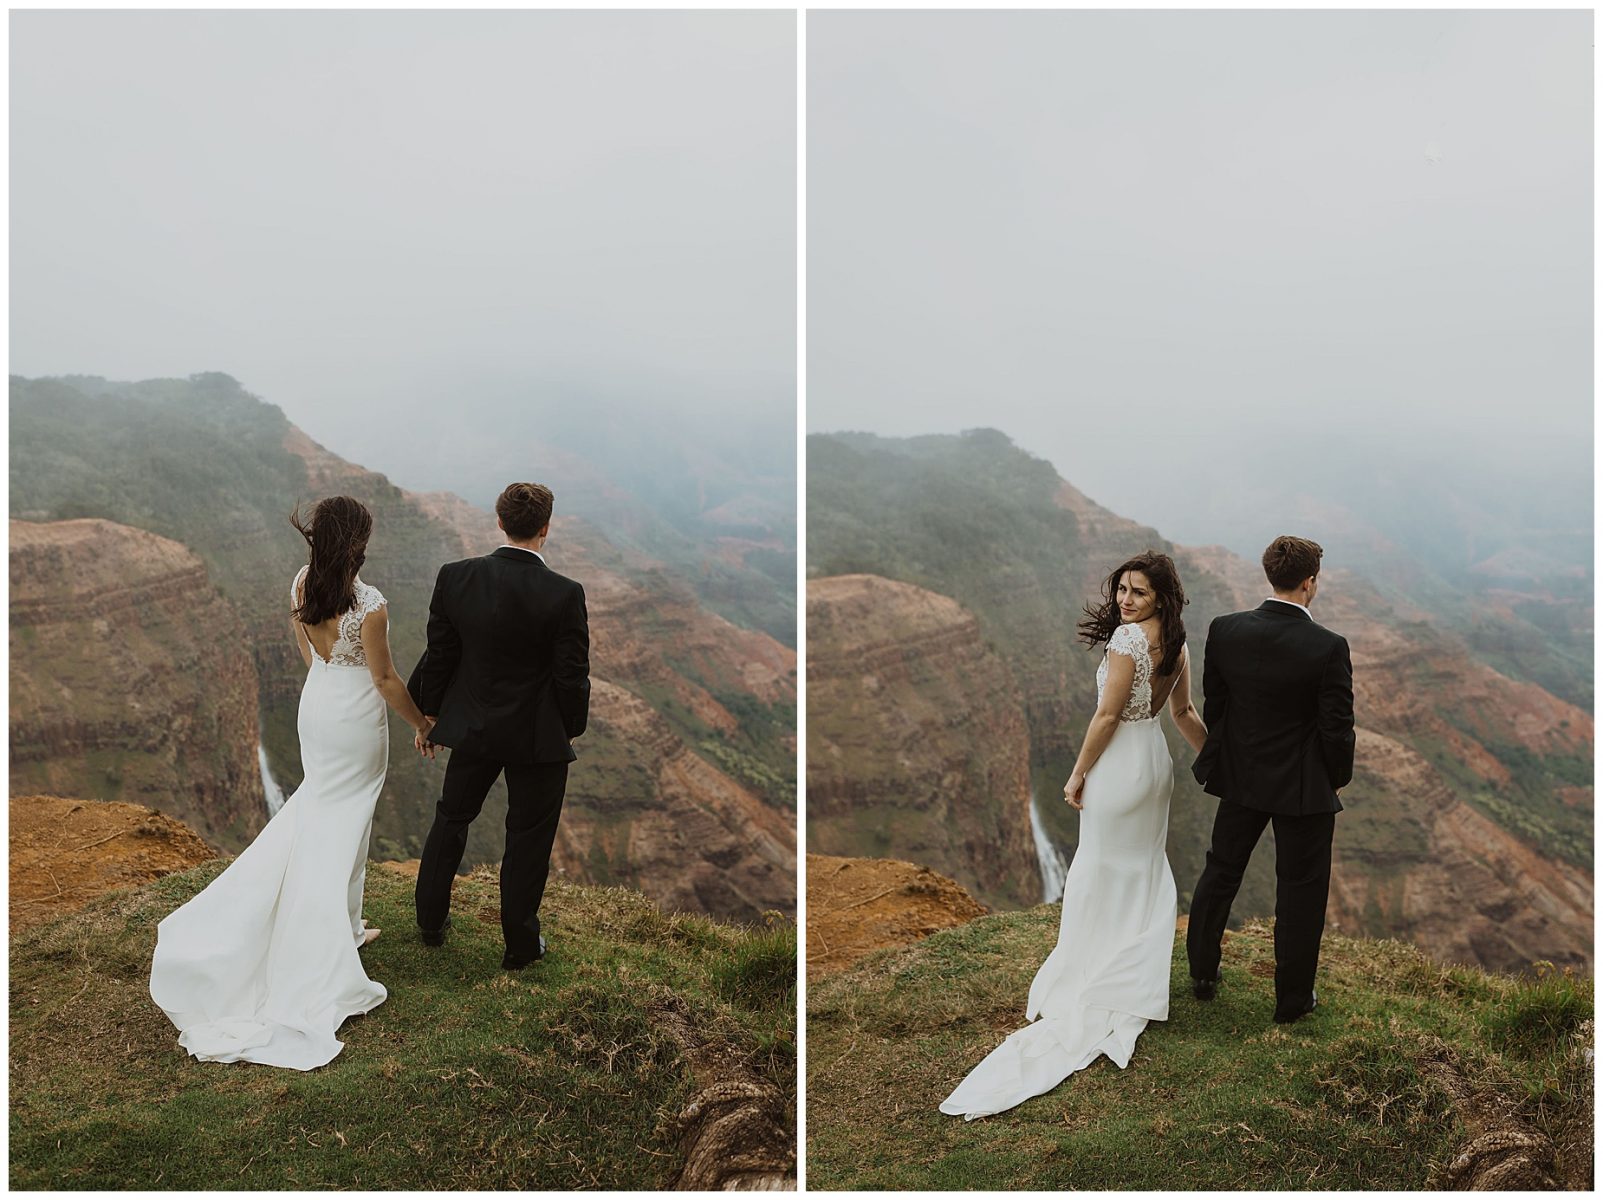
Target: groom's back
(1272,664)
(508,614)
(508,658)
(1273,682)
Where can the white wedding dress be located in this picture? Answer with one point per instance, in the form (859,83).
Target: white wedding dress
(262,966)
(1109,974)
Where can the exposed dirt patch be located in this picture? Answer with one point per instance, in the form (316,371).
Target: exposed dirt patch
(66,852)
(858,905)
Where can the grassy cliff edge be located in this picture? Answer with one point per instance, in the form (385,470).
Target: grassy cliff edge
(1409,1075)
(647,1050)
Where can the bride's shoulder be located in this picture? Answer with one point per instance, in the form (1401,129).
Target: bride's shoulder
(369,598)
(1128,639)
(295,586)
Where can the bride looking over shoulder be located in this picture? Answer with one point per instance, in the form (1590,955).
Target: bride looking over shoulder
(1141,623)
(1109,973)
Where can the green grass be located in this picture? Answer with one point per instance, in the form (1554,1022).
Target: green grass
(760,973)
(1217,1097)
(467,1077)
(1529,1021)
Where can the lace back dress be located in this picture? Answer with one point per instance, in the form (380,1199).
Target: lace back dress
(262,965)
(1129,641)
(347,649)
(1109,973)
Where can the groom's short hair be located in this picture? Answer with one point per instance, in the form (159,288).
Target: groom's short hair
(1290,560)
(524,509)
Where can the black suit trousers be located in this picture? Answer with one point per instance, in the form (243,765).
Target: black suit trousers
(534,804)
(1302,887)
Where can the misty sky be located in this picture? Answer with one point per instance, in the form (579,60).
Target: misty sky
(400,220)
(1153,246)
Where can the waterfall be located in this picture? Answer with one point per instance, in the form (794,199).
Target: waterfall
(275,794)
(1054,867)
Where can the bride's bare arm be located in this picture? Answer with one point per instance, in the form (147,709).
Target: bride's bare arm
(1186,717)
(301,644)
(376,646)
(298,631)
(1116,693)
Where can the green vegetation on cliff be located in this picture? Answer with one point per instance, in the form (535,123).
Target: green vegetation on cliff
(584,1071)
(206,463)
(975,518)
(1407,1076)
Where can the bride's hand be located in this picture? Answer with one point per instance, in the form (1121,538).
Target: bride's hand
(420,738)
(1073,789)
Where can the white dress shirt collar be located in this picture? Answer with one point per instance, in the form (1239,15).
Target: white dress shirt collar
(525,549)
(1293,604)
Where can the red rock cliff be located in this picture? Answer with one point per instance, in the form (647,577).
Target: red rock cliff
(917,742)
(131,678)
(651,813)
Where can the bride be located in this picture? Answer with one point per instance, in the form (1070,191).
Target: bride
(262,966)
(1109,974)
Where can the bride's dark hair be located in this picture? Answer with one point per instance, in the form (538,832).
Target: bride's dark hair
(337,533)
(1098,624)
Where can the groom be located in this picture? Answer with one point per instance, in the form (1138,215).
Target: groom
(507,671)
(1278,703)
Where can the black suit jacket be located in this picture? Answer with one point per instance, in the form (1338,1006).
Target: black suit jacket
(1277,698)
(507,669)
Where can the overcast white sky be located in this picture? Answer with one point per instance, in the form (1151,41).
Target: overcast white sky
(382,216)
(1140,242)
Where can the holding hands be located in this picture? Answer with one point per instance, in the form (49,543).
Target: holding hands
(420,739)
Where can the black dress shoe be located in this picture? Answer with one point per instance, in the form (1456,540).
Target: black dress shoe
(435,937)
(1204,989)
(1288,1018)
(508,963)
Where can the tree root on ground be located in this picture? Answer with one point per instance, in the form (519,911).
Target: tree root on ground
(734,1127)
(1504,1150)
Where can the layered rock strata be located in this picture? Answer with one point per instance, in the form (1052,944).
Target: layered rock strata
(202,462)
(662,819)
(1446,877)
(131,678)
(917,741)
(1468,828)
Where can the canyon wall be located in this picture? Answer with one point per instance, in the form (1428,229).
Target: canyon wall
(1468,828)
(204,463)
(646,811)
(131,678)
(917,743)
